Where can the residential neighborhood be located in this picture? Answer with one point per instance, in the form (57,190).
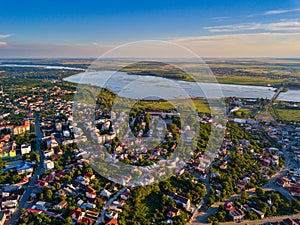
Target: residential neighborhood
(49,150)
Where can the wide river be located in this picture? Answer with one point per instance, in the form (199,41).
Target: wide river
(136,86)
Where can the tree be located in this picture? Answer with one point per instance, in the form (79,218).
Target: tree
(57,186)
(215,222)
(260,192)
(49,194)
(245,195)
(68,221)
(23,211)
(41,196)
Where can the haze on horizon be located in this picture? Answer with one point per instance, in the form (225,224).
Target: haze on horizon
(210,28)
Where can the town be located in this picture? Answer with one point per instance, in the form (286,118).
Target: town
(46,172)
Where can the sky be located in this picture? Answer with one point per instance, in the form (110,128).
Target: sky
(210,28)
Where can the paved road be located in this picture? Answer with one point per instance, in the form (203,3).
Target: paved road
(39,170)
(267,219)
(108,204)
(265,109)
(201,216)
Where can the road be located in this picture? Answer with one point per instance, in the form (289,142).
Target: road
(39,170)
(201,216)
(265,109)
(108,204)
(267,219)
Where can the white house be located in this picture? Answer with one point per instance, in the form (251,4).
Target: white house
(48,165)
(25,149)
(105,193)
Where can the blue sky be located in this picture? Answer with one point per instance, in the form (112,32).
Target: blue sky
(88,28)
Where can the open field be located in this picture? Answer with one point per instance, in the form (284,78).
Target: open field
(289,114)
(263,81)
(283,111)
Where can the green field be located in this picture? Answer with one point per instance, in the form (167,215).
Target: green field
(281,111)
(289,114)
(247,80)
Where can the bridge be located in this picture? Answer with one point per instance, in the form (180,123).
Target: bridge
(265,109)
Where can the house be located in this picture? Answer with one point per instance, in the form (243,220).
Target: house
(90,176)
(186,203)
(90,195)
(41,183)
(289,221)
(275,160)
(8,149)
(173,212)
(294,190)
(92,214)
(125,195)
(48,153)
(112,215)
(259,213)
(20,130)
(63,204)
(7,213)
(48,165)
(282,181)
(228,206)
(112,221)
(25,149)
(105,193)
(90,192)
(236,214)
(10,201)
(76,214)
(40,205)
(241,184)
(51,142)
(22,181)
(88,206)
(86,220)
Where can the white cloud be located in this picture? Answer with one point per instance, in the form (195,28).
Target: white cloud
(2,36)
(5,36)
(283,25)
(281,11)
(220,18)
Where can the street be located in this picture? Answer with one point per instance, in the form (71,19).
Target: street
(109,202)
(39,170)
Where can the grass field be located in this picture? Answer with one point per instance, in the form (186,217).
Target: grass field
(247,80)
(243,113)
(200,104)
(289,114)
(279,112)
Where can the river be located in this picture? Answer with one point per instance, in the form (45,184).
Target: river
(136,86)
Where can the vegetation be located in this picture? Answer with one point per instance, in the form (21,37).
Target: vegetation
(285,111)
(41,219)
(240,164)
(150,204)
